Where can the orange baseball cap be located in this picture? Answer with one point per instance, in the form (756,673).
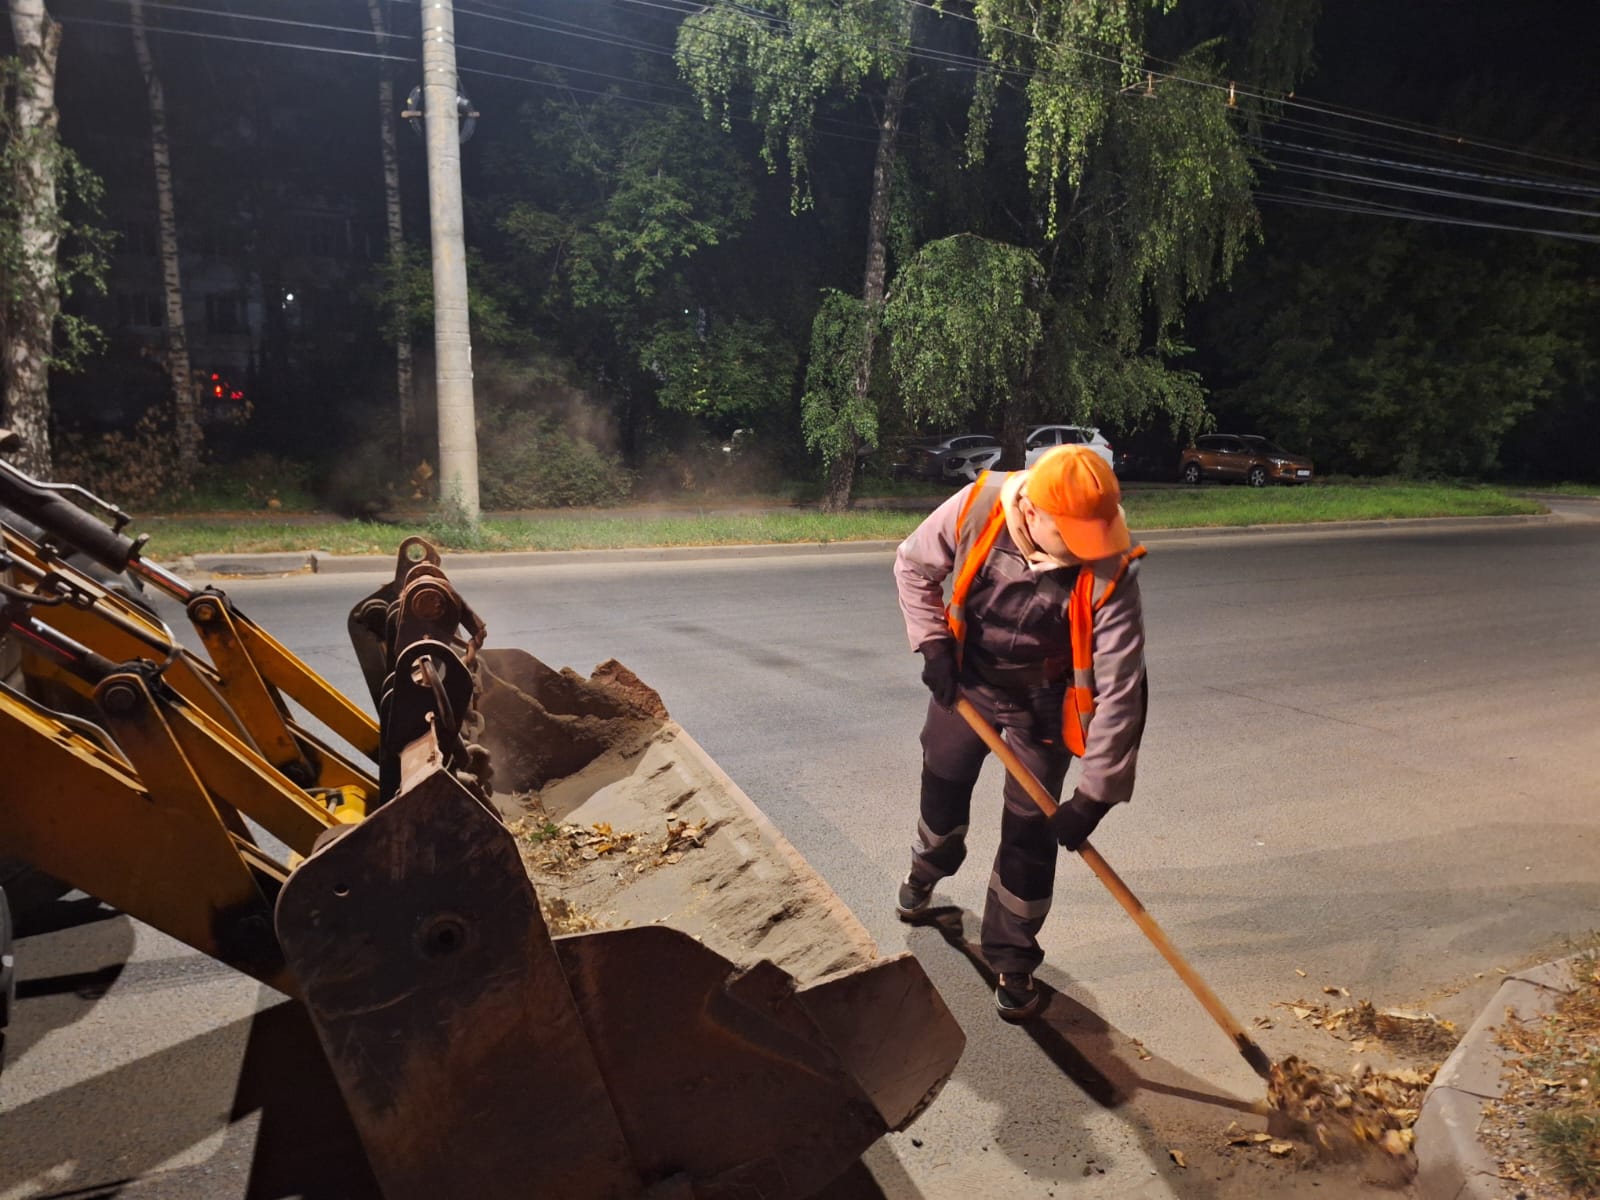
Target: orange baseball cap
(1074,486)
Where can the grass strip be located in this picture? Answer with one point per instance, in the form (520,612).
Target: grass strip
(1170,508)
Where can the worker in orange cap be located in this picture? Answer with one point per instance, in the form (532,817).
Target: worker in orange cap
(1044,634)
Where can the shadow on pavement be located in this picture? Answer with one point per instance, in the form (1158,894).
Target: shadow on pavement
(1083,1047)
(306,1145)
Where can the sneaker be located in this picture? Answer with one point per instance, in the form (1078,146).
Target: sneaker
(1017,997)
(913,899)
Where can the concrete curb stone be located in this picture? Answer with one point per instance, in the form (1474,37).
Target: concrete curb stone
(323,563)
(1452,1163)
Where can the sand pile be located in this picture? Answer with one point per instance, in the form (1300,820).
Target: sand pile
(624,820)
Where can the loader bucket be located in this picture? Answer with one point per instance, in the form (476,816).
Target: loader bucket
(618,980)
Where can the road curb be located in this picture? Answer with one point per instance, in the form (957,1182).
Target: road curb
(1452,1163)
(320,562)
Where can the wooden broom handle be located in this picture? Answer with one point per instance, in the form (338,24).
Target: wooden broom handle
(1253,1054)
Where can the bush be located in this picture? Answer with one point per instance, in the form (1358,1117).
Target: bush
(254,482)
(530,460)
(138,469)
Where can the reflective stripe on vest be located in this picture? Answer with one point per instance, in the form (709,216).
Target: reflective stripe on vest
(975,539)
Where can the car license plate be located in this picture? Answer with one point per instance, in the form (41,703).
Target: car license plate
(1302,474)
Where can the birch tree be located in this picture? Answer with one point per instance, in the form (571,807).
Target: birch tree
(394,225)
(33,298)
(49,246)
(186,417)
(790,55)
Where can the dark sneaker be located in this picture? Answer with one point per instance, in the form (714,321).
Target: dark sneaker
(911,903)
(1017,997)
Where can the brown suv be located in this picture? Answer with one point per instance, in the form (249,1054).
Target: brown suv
(1242,457)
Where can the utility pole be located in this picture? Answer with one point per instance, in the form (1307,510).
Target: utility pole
(452,338)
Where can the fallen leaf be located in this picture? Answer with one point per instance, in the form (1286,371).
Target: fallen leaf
(1260,1137)
(1177,1157)
(1357,1046)
(1299,972)
(1301,1013)
(1281,1148)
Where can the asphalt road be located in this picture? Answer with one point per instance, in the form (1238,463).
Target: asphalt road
(1371,758)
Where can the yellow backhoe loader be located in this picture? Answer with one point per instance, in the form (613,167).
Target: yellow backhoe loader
(715,1024)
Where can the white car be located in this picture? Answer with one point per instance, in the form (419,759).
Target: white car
(973,462)
(1045,436)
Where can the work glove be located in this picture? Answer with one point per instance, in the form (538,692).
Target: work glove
(939,670)
(1075,820)
(1046,703)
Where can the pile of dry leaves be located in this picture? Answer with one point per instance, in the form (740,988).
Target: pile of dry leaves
(1367,1113)
(1545,1128)
(562,849)
(1419,1034)
(552,850)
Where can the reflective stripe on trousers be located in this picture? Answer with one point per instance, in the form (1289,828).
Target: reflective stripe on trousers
(1021,882)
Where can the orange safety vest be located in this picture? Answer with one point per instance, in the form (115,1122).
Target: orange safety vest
(975,542)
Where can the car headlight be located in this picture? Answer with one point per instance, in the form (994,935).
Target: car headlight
(1281,462)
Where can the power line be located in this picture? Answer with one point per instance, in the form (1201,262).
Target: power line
(1373,206)
(1572,189)
(206,35)
(1424,190)
(1233,90)
(237,16)
(1403,214)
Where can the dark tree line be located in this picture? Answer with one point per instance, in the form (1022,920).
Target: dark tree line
(833,225)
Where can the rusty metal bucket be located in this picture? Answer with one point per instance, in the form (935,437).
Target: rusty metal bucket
(732,1031)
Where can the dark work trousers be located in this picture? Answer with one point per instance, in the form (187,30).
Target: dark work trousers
(1023,879)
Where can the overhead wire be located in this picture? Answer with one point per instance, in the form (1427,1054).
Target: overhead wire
(1425,190)
(208,35)
(1287,100)
(627,44)
(1422,168)
(1333,204)
(688,7)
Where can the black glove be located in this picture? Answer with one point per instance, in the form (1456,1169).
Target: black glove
(1047,704)
(939,670)
(1075,820)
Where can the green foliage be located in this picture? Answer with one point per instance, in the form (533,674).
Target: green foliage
(254,482)
(964,321)
(1572,1140)
(530,460)
(832,417)
(81,261)
(1168,212)
(1076,54)
(406,287)
(788,56)
(730,374)
(613,201)
(1089,377)
(1383,348)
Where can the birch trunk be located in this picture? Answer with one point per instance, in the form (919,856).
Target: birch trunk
(387,126)
(27,323)
(842,471)
(186,423)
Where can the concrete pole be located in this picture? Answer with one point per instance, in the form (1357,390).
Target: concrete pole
(452,339)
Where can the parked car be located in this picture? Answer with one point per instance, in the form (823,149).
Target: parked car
(1044,437)
(971,457)
(1040,438)
(940,458)
(1245,458)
